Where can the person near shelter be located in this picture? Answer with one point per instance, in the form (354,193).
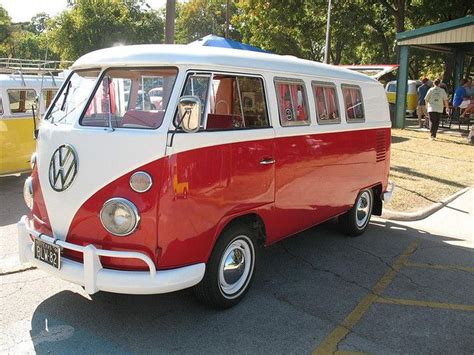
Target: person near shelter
(460,99)
(436,99)
(421,111)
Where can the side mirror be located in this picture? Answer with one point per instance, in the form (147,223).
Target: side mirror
(189,109)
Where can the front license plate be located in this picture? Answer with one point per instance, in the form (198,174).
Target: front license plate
(48,253)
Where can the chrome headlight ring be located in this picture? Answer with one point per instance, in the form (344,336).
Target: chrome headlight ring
(119,216)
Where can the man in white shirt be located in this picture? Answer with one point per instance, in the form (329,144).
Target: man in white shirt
(436,99)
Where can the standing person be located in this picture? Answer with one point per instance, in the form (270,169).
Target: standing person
(421,111)
(436,99)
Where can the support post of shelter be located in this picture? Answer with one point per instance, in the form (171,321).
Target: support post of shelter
(459,66)
(402,86)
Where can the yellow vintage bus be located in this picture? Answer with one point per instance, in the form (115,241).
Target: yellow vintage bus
(18,94)
(412,96)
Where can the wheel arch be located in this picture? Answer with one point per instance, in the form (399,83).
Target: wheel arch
(252,219)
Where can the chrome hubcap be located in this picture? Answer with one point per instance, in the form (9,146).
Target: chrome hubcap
(363,209)
(236,267)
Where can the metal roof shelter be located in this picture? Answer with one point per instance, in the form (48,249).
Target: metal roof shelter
(455,37)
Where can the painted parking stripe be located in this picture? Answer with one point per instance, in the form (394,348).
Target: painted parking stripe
(440,267)
(407,302)
(329,345)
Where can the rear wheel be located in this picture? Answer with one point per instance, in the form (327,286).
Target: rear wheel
(230,269)
(355,221)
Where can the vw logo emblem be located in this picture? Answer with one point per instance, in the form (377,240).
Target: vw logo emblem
(63,167)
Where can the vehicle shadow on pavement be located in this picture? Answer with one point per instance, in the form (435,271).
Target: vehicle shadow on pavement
(305,287)
(12,205)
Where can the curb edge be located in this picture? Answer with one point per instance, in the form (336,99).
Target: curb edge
(423,213)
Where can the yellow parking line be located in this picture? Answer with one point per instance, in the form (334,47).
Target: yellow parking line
(405,302)
(440,267)
(329,345)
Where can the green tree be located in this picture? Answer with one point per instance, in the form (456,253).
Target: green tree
(5,23)
(285,27)
(198,18)
(93,24)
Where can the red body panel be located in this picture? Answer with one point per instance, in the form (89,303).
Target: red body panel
(39,214)
(197,192)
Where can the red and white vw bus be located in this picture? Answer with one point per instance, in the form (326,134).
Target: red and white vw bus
(243,150)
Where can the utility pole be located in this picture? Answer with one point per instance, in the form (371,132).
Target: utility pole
(227,20)
(328,30)
(170,15)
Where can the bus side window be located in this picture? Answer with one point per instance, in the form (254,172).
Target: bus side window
(21,101)
(292,103)
(353,103)
(325,98)
(47,96)
(1,106)
(236,102)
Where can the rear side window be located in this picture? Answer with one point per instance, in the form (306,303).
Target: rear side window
(325,99)
(292,103)
(21,101)
(353,103)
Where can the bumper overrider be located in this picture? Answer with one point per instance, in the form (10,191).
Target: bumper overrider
(94,277)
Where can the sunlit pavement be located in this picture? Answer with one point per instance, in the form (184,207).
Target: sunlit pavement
(400,288)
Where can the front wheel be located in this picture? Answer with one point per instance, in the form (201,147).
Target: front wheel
(230,269)
(355,221)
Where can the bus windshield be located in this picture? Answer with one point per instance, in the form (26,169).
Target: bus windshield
(131,98)
(74,94)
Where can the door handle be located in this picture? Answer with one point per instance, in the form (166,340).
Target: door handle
(267,161)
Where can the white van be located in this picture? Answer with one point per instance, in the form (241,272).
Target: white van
(244,150)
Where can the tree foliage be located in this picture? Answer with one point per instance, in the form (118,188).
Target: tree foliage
(362,31)
(95,24)
(5,25)
(198,18)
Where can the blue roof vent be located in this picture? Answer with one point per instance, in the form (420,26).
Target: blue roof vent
(216,41)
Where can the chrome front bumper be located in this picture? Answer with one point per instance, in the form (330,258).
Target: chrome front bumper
(94,277)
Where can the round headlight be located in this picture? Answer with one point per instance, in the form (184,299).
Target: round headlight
(119,216)
(28,192)
(33,159)
(140,181)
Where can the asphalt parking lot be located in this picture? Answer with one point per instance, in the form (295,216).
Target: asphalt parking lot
(399,288)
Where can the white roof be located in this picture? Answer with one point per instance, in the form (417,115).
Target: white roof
(10,81)
(212,57)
